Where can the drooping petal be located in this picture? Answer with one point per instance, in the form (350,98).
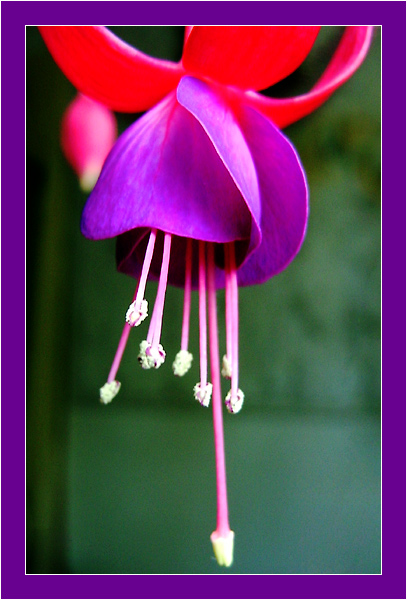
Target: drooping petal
(247,57)
(284,198)
(105,68)
(216,116)
(348,57)
(164,172)
(88,133)
(213,108)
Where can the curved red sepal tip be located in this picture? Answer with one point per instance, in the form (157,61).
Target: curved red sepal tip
(187,32)
(107,69)
(247,57)
(348,57)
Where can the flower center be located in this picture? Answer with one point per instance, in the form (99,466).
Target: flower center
(152,353)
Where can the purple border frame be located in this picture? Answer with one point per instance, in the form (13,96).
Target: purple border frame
(391,584)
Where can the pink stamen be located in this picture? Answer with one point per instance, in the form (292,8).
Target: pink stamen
(222,527)
(146,268)
(203,360)
(121,346)
(119,353)
(228,308)
(187,297)
(233,320)
(154,331)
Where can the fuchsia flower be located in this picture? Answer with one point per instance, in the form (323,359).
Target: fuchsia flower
(203,191)
(88,133)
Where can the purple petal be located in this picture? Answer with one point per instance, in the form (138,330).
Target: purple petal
(284,198)
(215,111)
(164,173)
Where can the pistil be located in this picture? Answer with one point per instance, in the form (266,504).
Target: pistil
(222,538)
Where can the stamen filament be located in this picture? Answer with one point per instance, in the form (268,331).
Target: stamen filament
(234,318)
(203,360)
(183,359)
(157,317)
(146,267)
(152,354)
(227,359)
(187,296)
(222,537)
(119,353)
(235,397)
(117,360)
(203,389)
(138,309)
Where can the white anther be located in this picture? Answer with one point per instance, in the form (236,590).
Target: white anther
(134,315)
(182,363)
(203,395)
(145,361)
(226,368)
(157,355)
(234,403)
(149,357)
(109,391)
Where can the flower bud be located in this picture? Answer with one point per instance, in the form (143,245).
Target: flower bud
(89,131)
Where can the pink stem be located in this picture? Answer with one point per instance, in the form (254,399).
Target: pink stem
(187,296)
(222,526)
(203,360)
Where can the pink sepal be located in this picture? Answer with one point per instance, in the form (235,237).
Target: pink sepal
(348,57)
(102,66)
(250,58)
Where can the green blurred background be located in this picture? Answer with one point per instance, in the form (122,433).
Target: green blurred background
(130,487)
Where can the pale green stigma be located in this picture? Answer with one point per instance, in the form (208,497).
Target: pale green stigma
(223,547)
